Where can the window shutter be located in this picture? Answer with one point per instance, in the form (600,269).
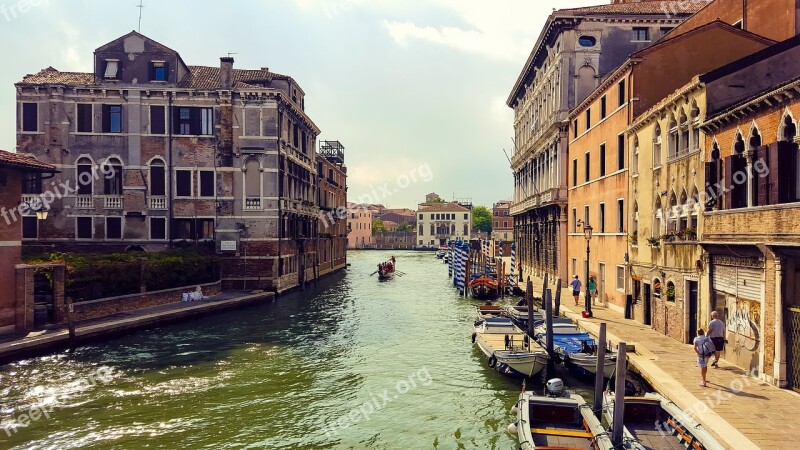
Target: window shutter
(196,121)
(106,119)
(726,183)
(762,184)
(785,159)
(157,119)
(711,175)
(176,120)
(166,71)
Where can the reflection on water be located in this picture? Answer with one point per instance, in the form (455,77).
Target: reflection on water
(351,363)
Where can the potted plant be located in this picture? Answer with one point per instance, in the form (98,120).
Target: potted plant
(671,292)
(669,236)
(654,242)
(690,234)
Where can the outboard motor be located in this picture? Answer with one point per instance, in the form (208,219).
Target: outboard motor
(554,388)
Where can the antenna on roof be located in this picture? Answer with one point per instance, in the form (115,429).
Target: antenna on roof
(231,53)
(140,6)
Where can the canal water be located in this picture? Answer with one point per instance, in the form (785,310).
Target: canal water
(352,363)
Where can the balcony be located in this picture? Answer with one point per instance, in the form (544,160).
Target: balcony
(158,202)
(252,203)
(84,202)
(113,202)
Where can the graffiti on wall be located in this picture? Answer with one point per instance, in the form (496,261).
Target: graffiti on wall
(743,320)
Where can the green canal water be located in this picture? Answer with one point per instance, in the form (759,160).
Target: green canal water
(352,363)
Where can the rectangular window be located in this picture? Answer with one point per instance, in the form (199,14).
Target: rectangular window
(586,161)
(620,152)
(603,107)
(30,228)
(157,181)
(30,117)
(84,118)
(466,229)
(183,229)
(586,215)
(574,266)
(83,227)
(158,228)
(112,67)
(158,71)
(620,216)
(621,278)
(113,227)
(622,95)
(466,216)
(183,183)
(602,219)
(574,220)
(112,119)
(602,160)
(588,119)
(641,34)
(207,187)
(574,172)
(204,229)
(575,129)
(157,120)
(193,121)
(31,183)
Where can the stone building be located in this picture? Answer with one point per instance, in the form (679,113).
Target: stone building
(751,235)
(437,223)
(400,216)
(502,222)
(20,178)
(184,154)
(576,49)
(332,201)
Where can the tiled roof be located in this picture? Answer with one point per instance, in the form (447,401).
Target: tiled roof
(15,160)
(200,78)
(54,76)
(651,7)
(433,207)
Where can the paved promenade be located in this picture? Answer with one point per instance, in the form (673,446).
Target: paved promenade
(54,338)
(744,412)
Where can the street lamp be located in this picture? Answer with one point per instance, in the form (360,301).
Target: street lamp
(38,207)
(587,233)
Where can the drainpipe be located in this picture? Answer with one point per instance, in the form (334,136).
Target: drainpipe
(280,195)
(168,227)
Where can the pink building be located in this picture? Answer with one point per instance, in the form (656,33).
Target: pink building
(360,224)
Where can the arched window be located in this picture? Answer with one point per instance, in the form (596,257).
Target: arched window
(788,130)
(683,122)
(738,170)
(673,137)
(635,220)
(752,180)
(85,175)
(158,185)
(112,176)
(670,291)
(656,288)
(673,213)
(683,212)
(694,115)
(658,218)
(657,146)
(694,211)
(635,158)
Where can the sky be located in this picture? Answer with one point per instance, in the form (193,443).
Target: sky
(414,89)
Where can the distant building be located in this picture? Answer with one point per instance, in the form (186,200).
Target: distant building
(439,222)
(390,240)
(359,223)
(432,197)
(502,222)
(400,216)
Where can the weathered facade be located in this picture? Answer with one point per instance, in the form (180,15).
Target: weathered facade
(502,222)
(359,226)
(438,223)
(576,49)
(751,235)
(20,177)
(332,201)
(156,152)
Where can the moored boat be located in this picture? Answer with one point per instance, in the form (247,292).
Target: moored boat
(653,422)
(577,349)
(507,348)
(557,420)
(489,310)
(483,288)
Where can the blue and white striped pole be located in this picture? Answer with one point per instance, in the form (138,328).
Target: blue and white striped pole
(513,268)
(454,259)
(499,261)
(486,257)
(449,257)
(458,278)
(464,274)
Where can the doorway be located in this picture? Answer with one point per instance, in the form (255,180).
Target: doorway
(647,305)
(601,283)
(691,289)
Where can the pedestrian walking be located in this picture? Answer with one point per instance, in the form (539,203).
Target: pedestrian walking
(716,331)
(576,288)
(592,285)
(704,349)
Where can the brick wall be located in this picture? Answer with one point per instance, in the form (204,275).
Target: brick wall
(114,305)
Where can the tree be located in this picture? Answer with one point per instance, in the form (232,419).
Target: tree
(436,200)
(405,228)
(482,219)
(377,226)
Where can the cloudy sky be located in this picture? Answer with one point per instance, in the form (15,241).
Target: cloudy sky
(414,89)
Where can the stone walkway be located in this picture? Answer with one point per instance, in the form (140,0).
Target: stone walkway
(744,412)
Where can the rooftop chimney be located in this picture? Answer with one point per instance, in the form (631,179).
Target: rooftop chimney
(226,72)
